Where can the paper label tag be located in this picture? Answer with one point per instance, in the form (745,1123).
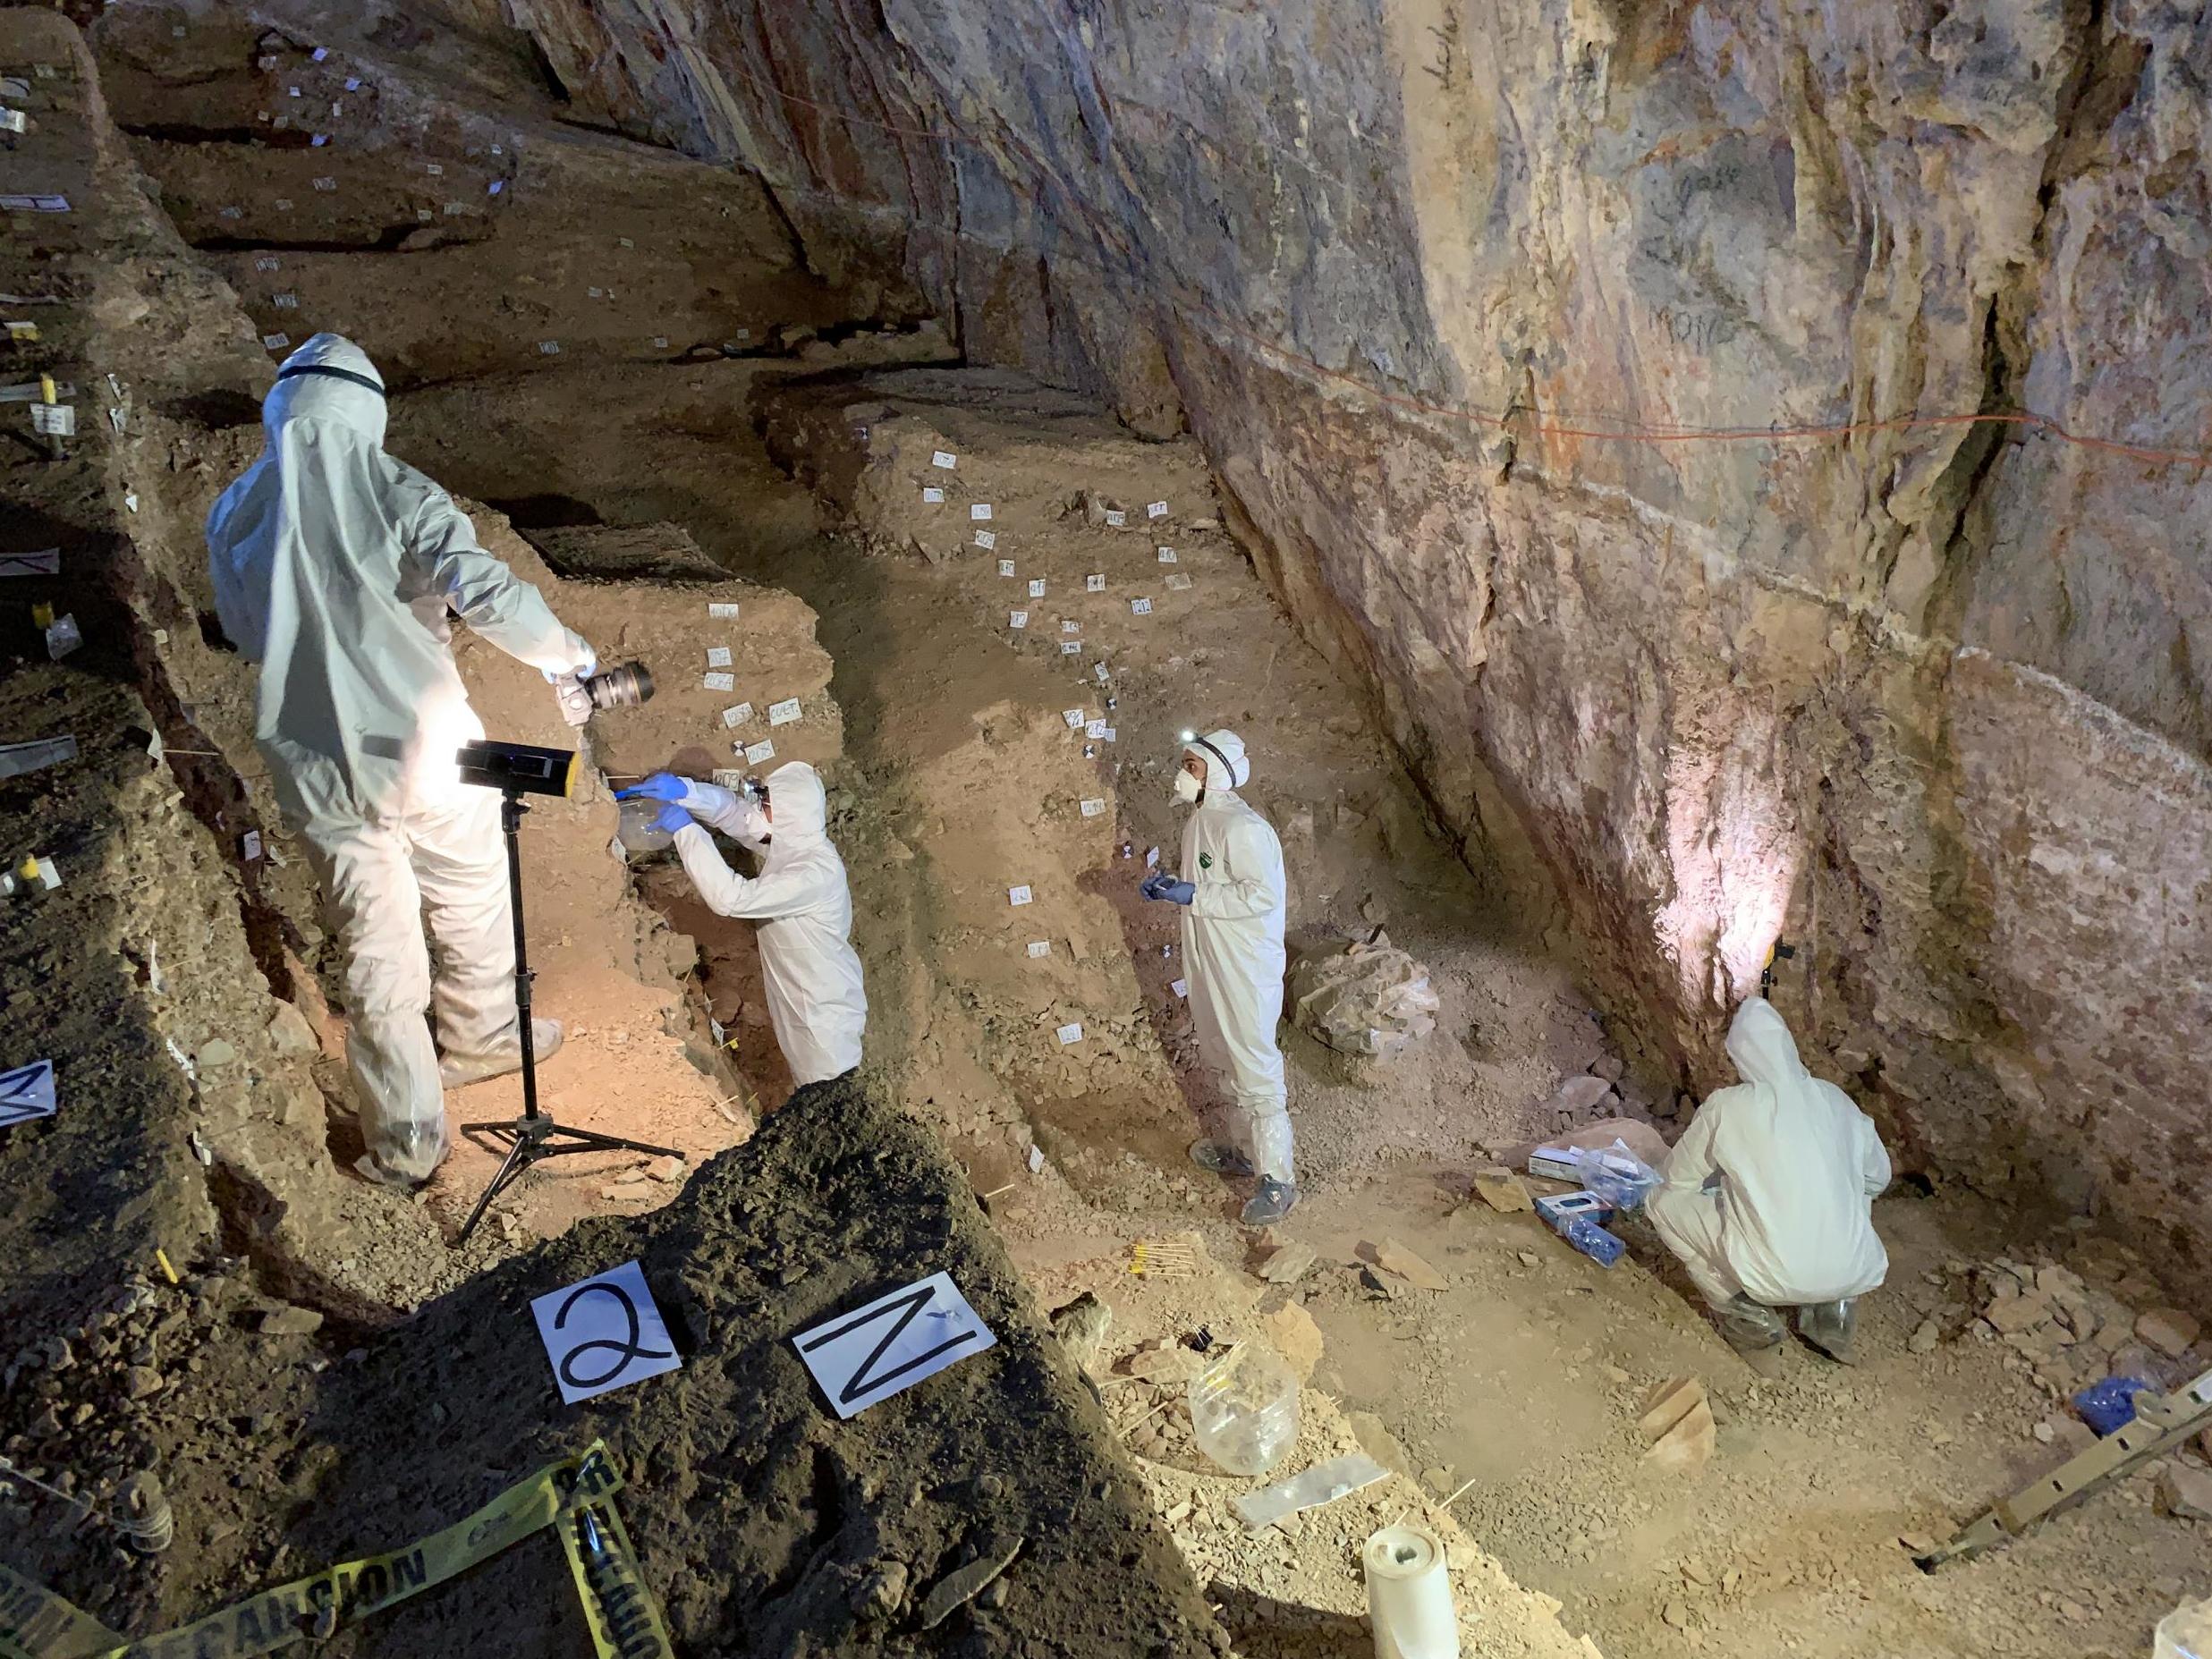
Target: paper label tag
(1037,589)
(1178,581)
(1017,619)
(287,301)
(318,55)
(434,171)
(495,187)
(931,493)
(250,848)
(276,343)
(721,610)
(891,1343)
(1071,1032)
(1152,858)
(1167,556)
(27,1094)
(55,419)
(1074,717)
(1115,518)
(1040,947)
(11,121)
(1156,509)
(1095,729)
(326,185)
(720,683)
(34,203)
(1093,808)
(1094,584)
(736,714)
(940,458)
(1110,734)
(1071,648)
(1005,567)
(987,540)
(353,83)
(548,347)
(783,713)
(1070,627)
(604,1334)
(319,140)
(727,777)
(762,750)
(979,511)
(1181,987)
(1141,607)
(268,262)
(717,656)
(1017,896)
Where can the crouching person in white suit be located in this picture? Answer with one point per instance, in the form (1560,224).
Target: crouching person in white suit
(800,899)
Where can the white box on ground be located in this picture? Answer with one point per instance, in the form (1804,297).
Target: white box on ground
(604,1334)
(891,1343)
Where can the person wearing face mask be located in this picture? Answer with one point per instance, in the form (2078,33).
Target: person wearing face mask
(1234,898)
(817,1002)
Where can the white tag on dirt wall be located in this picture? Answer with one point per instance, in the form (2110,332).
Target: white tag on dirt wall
(891,1343)
(604,1334)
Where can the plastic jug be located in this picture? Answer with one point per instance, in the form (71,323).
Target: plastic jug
(2185,1633)
(1244,1409)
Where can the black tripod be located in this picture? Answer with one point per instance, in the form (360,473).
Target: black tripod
(534,1134)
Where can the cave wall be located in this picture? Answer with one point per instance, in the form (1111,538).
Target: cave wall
(1455,294)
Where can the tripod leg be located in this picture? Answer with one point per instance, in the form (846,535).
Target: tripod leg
(517,1159)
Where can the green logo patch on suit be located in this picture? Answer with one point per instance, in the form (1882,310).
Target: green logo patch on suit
(1205,860)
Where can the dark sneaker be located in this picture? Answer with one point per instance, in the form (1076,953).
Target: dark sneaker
(459,1071)
(1220,1158)
(1271,1203)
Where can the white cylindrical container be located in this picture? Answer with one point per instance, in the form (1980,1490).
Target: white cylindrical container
(1408,1595)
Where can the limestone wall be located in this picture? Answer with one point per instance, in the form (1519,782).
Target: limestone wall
(1923,695)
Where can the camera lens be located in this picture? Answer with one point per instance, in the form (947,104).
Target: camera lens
(623,686)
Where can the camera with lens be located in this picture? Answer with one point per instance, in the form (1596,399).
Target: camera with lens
(623,686)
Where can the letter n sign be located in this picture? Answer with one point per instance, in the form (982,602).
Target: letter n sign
(891,1343)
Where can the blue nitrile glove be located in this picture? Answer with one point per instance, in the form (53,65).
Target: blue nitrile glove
(672,819)
(1160,885)
(660,786)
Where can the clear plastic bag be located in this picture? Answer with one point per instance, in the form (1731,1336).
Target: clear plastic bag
(2185,1633)
(1244,1409)
(1614,1173)
(1323,1482)
(635,830)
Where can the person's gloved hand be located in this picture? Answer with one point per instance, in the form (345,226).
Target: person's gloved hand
(672,819)
(1160,885)
(575,702)
(660,786)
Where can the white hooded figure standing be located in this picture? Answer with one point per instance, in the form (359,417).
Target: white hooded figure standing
(1768,1197)
(1235,899)
(336,568)
(817,1000)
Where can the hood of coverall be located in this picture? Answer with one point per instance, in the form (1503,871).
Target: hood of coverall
(325,398)
(1231,748)
(1760,1045)
(802,806)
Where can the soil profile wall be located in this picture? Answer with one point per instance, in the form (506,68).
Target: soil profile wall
(1587,372)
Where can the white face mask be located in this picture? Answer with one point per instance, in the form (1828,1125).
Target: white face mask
(1188,788)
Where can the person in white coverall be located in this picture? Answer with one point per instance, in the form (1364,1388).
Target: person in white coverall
(1234,898)
(1768,1198)
(817,1002)
(337,568)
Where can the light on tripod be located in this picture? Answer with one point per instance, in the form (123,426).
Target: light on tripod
(518,768)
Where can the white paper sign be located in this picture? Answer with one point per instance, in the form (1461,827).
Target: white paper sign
(760,752)
(939,458)
(1071,648)
(353,83)
(891,1343)
(34,203)
(932,493)
(783,713)
(727,777)
(434,171)
(319,53)
(1152,858)
(326,185)
(1116,518)
(1177,582)
(1072,1032)
(27,1092)
(13,121)
(1074,717)
(1037,1159)
(1005,567)
(604,1334)
(548,347)
(1094,584)
(736,714)
(979,511)
(56,419)
(1037,589)
(268,262)
(1108,735)
(720,683)
(986,540)
(721,610)
(1095,729)
(1040,947)
(717,656)
(249,845)
(1156,509)
(1017,619)
(1092,809)
(1181,987)
(1017,896)
(1167,556)
(1070,627)
(287,302)
(276,343)
(1141,607)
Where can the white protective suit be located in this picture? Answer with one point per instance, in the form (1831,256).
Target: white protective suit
(334,569)
(1232,951)
(801,901)
(1771,1192)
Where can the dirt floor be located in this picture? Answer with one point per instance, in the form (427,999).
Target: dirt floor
(796,456)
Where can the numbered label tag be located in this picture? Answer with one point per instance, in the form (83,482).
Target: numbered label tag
(1167,556)
(1094,807)
(736,714)
(783,713)
(762,750)
(1069,1034)
(1095,730)
(979,511)
(1037,589)
(932,493)
(1040,947)
(1070,627)
(1094,584)
(986,539)
(1017,619)
(1156,509)
(604,1334)
(943,459)
(27,1092)
(891,1343)
(55,419)
(1141,607)
(1073,717)
(1005,567)
(721,610)
(1115,518)
(1181,987)
(717,656)
(1071,648)
(720,683)
(1017,895)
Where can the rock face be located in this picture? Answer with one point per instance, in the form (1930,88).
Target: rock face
(1585,375)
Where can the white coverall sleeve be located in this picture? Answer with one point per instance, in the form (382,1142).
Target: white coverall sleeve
(1692,1163)
(1253,885)
(761,899)
(734,815)
(488,595)
(1873,1159)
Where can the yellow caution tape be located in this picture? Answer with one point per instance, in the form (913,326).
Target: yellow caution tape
(625,1619)
(618,1606)
(35,1623)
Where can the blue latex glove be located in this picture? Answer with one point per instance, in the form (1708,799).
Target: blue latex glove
(660,786)
(672,819)
(1160,885)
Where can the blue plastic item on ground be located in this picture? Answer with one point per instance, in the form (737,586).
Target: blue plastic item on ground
(1593,1241)
(2109,1405)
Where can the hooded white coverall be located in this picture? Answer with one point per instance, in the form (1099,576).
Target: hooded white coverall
(334,568)
(1770,1194)
(800,899)
(1233,951)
